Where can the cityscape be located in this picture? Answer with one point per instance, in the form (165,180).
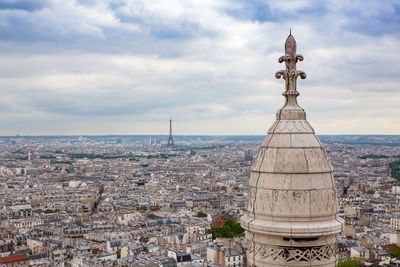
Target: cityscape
(135,201)
(94,174)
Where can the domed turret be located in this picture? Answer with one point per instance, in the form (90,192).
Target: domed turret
(291,210)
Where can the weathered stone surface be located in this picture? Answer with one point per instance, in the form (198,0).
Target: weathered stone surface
(291,209)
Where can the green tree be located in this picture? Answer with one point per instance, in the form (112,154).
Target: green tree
(229,229)
(201,214)
(371,192)
(395,169)
(237,229)
(229,222)
(142,208)
(226,231)
(118,253)
(396,252)
(345,188)
(350,262)
(215,232)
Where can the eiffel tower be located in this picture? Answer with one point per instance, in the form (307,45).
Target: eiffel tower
(170,139)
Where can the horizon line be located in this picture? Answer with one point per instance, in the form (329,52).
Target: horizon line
(127,135)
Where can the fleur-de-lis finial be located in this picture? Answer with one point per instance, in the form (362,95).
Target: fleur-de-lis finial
(290,74)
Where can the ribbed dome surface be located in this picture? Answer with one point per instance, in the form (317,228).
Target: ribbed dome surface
(291,211)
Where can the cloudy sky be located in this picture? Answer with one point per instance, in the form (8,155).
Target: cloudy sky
(127,66)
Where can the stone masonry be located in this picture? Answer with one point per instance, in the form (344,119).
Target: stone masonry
(291,210)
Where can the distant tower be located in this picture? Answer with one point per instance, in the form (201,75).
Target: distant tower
(29,154)
(170,139)
(291,216)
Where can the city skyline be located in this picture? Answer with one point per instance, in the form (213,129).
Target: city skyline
(109,67)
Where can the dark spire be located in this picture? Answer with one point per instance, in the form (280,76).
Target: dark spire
(170,139)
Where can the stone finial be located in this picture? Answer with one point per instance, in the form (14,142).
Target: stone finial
(290,74)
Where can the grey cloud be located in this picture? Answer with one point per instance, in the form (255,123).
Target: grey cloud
(114,64)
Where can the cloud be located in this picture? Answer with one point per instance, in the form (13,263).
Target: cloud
(23,5)
(115,66)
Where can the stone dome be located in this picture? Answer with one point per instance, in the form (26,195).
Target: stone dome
(291,210)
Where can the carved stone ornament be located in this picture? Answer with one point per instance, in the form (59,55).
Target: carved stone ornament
(292,254)
(290,74)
